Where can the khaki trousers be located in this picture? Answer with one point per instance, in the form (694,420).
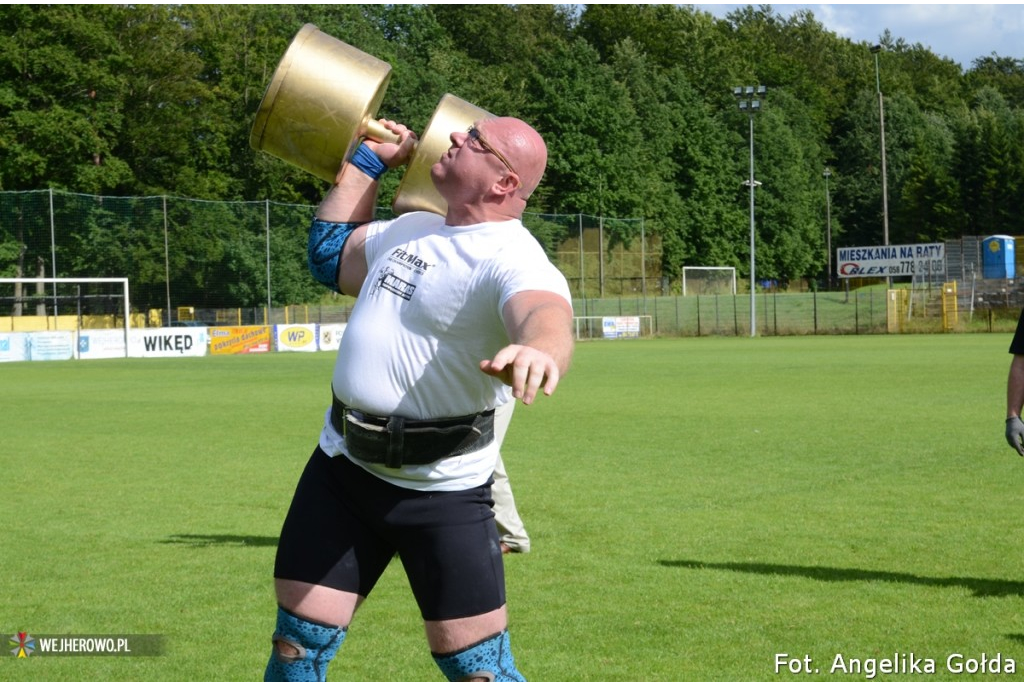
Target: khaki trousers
(511,529)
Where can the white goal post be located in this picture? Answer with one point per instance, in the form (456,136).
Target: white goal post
(57,295)
(709,280)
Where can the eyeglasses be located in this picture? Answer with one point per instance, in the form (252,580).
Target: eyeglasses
(474,134)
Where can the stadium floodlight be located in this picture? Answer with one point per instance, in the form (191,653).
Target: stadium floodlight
(750,98)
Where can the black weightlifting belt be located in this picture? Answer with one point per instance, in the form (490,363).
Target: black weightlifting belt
(395,441)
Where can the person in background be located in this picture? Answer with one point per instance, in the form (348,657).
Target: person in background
(1015,390)
(511,530)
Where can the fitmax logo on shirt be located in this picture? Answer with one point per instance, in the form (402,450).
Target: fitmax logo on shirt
(408,258)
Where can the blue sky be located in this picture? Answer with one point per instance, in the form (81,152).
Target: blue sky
(961,32)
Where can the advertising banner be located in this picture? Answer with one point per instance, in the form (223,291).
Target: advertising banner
(167,342)
(13,347)
(45,346)
(330,335)
(239,339)
(621,326)
(891,260)
(101,343)
(296,337)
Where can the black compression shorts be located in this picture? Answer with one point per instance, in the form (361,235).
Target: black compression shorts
(345,525)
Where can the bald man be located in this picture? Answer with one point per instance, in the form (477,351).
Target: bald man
(456,316)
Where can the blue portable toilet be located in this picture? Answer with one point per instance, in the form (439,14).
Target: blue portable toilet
(997,257)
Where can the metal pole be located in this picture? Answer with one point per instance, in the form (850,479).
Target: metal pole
(885,184)
(53,258)
(828,227)
(268,252)
(750,102)
(583,288)
(643,259)
(753,279)
(885,179)
(167,265)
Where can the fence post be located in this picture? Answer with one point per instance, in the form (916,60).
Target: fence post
(775,310)
(583,273)
(268,251)
(856,312)
(815,301)
(643,262)
(167,264)
(53,257)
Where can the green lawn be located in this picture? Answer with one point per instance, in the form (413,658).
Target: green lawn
(698,507)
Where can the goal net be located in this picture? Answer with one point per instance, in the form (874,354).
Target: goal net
(709,280)
(92,315)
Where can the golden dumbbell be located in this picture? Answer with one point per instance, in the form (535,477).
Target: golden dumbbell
(323,99)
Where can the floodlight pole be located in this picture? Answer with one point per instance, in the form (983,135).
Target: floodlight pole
(828,227)
(885,182)
(749,99)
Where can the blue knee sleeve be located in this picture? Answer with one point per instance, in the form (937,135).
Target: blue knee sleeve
(491,658)
(316,644)
(326,239)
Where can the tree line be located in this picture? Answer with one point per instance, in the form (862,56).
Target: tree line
(635,102)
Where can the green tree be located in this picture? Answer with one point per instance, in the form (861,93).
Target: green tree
(673,37)
(988,165)
(591,130)
(791,235)
(62,87)
(1005,74)
(929,196)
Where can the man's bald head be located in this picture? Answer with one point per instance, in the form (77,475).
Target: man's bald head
(522,146)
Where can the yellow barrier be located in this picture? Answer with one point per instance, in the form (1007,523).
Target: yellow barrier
(66,322)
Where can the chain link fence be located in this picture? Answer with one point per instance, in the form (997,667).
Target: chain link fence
(245,263)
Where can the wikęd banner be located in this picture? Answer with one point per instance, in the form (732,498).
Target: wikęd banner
(167,342)
(927,259)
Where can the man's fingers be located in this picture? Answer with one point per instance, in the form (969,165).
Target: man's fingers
(552,380)
(524,369)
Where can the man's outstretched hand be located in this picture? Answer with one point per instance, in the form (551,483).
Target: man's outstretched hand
(524,368)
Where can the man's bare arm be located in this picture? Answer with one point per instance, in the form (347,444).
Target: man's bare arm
(539,324)
(353,200)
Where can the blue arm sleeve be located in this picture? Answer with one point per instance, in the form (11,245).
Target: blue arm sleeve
(326,239)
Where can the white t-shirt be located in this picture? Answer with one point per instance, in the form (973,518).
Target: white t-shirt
(428,313)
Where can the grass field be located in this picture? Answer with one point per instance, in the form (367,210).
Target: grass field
(697,507)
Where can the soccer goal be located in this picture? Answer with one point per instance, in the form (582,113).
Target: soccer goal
(709,280)
(97,311)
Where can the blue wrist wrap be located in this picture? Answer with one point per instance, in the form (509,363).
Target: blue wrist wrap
(367,161)
(326,239)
